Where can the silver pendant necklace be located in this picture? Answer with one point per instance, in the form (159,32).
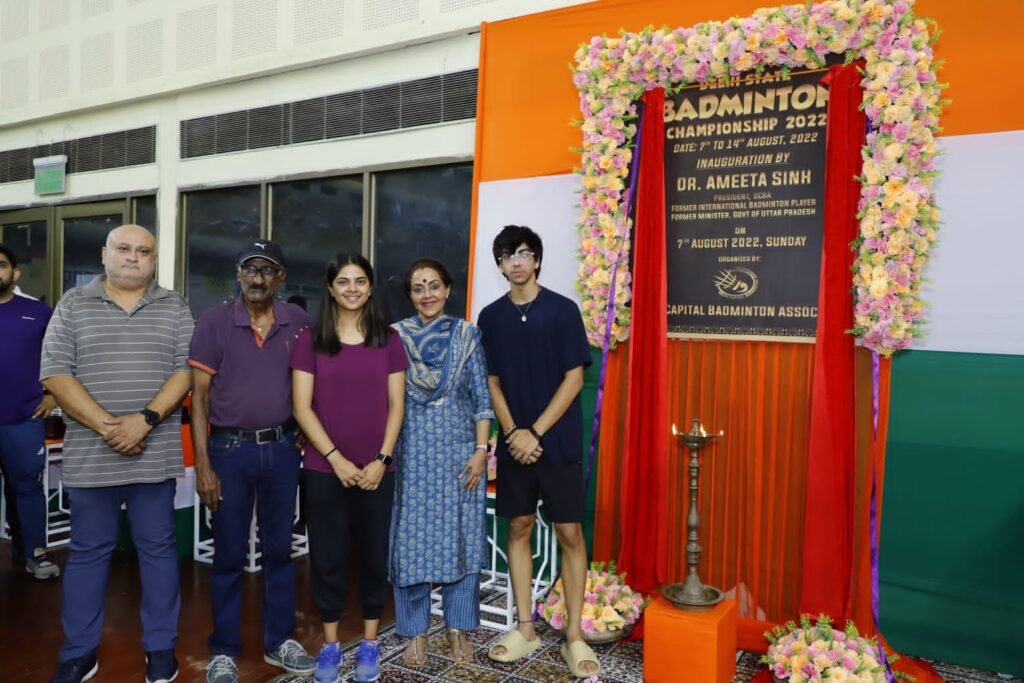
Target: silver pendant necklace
(523,311)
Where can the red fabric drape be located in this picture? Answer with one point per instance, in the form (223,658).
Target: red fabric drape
(829,512)
(645,461)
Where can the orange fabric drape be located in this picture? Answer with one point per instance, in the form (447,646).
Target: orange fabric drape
(752,480)
(608,499)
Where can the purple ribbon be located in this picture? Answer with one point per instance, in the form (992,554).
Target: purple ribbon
(889,676)
(606,344)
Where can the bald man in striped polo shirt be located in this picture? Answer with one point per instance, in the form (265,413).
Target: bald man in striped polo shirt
(115,358)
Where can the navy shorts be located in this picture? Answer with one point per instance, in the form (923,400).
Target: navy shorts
(559,485)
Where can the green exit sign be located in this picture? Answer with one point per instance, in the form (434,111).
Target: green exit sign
(50,174)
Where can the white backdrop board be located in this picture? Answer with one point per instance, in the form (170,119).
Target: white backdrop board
(974,292)
(546,204)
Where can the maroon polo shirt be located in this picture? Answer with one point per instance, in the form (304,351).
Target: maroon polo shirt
(252,385)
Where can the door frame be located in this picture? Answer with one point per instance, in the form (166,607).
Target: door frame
(34,215)
(66,211)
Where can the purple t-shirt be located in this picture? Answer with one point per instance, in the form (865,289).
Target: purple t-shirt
(252,384)
(23,321)
(350,396)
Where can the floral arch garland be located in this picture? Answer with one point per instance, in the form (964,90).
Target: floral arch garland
(902,101)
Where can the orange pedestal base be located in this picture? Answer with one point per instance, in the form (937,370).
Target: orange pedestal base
(689,646)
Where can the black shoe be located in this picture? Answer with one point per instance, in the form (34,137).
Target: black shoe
(161,666)
(76,670)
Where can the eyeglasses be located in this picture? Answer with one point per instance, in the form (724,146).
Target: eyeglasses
(521,255)
(267,272)
(434,287)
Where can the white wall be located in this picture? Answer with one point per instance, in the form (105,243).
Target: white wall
(429,144)
(61,56)
(76,68)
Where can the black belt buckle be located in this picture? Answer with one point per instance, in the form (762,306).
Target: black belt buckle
(274,434)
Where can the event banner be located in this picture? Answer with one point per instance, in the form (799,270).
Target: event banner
(744,193)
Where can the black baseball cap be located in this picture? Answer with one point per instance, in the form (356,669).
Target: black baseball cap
(262,249)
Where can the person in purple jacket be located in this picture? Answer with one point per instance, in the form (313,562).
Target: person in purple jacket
(348,394)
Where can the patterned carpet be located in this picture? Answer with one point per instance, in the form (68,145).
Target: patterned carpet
(620,663)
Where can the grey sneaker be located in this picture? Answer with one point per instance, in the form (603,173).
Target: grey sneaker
(291,657)
(42,567)
(222,669)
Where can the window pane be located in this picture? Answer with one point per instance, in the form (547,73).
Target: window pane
(422,212)
(217,224)
(28,242)
(313,220)
(84,239)
(145,213)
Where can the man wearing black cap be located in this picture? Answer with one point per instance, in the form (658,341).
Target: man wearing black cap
(241,392)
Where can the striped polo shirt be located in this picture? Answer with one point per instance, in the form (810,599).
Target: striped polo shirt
(122,358)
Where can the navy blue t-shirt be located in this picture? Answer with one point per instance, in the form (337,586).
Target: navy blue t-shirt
(531,358)
(23,321)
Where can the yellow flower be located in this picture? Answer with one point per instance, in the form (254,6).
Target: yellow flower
(745,62)
(893,151)
(612,618)
(906,216)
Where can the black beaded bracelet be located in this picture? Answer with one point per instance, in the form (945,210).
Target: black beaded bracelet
(534,432)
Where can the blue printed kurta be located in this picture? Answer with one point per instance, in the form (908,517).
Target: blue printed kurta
(437,528)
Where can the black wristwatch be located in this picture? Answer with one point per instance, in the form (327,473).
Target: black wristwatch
(385,459)
(151,416)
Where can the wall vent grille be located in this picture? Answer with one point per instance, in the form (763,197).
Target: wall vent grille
(95,153)
(421,102)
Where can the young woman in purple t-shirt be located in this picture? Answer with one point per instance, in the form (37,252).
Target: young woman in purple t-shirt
(348,391)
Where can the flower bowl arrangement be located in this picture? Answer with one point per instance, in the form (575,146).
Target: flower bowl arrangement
(817,652)
(610,606)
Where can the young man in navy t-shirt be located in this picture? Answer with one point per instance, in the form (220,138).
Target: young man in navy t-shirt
(23,405)
(537,351)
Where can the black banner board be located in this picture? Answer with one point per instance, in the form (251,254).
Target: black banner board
(744,198)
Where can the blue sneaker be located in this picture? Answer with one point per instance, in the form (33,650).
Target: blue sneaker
(328,661)
(367,662)
(76,670)
(161,666)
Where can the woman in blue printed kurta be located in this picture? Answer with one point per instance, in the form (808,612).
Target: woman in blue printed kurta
(437,529)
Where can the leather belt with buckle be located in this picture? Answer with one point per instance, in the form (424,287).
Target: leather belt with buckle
(259,436)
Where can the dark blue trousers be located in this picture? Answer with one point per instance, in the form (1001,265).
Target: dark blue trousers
(267,474)
(22,458)
(95,516)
